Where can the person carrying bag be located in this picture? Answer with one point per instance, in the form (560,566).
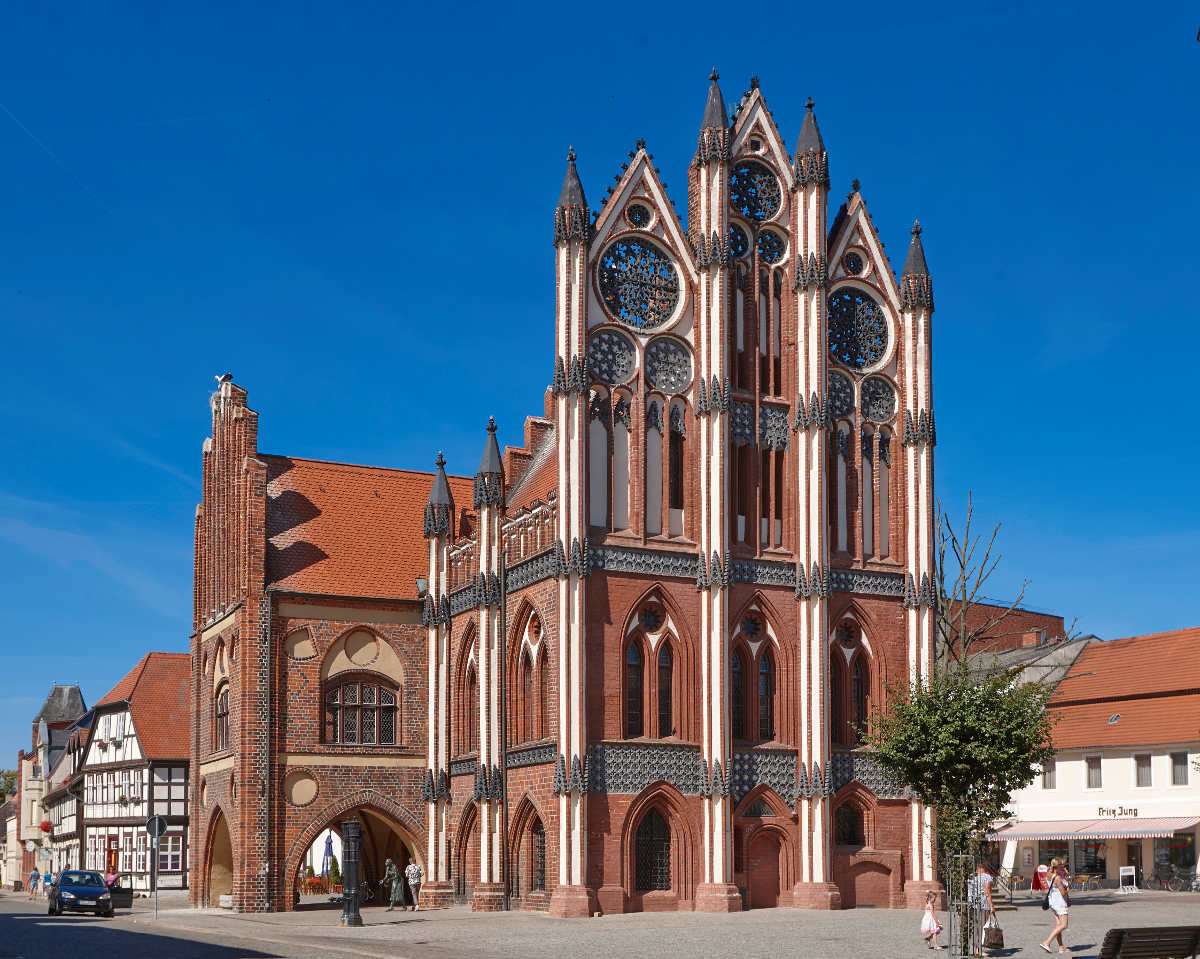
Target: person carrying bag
(993,935)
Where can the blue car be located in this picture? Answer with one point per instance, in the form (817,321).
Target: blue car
(80,891)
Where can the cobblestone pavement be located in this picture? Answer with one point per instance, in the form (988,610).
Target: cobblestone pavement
(457,933)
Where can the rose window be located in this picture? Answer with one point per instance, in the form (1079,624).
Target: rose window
(878,400)
(754,191)
(611,356)
(841,395)
(858,331)
(770,246)
(668,365)
(738,242)
(638,283)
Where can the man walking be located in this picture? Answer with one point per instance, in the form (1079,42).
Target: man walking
(414,875)
(34,876)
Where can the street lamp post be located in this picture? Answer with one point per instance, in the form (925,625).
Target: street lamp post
(351,854)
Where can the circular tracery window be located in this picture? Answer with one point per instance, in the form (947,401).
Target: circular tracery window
(841,395)
(754,191)
(668,365)
(853,263)
(858,331)
(770,246)
(878,400)
(738,242)
(638,215)
(638,283)
(611,356)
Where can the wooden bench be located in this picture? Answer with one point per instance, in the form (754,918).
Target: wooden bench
(1152,942)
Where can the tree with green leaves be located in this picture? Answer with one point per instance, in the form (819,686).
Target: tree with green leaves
(964,742)
(9,779)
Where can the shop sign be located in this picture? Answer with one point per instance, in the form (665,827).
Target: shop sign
(1116,812)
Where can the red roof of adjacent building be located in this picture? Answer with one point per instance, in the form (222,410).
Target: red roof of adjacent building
(344,530)
(1150,683)
(157,692)
(539,480)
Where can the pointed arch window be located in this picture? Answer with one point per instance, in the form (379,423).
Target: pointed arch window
(737,695)
(361,710)
(848,826)
(666,680)
(221,718)
(634,667)
(470,736)
(766,696)
(537,878)
(526,694)
(837,679)
(543,690)
(652,853)
(859,697)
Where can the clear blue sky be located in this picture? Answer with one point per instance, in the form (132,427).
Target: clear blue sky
(349,207)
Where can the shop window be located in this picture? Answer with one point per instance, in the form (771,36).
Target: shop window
(1179,769)
(1178,850)
(652,853)
(1089,856)
(360,712)
(1142,766)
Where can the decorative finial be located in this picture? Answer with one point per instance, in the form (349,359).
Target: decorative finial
(754,83)
(916,228)
(641,144)
(440,461)
(809,104)
(571,154)
(491,427)
(714,76)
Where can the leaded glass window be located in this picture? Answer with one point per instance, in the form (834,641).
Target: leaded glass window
(739,243)
(737,697)
(666,674)
(859,696)
(638,283)
(754,191)
(848,826)
(771,246)
(221,725)
(633,691)
(652,853)
(858,330)
(360,712)
(537,878)
(766,697)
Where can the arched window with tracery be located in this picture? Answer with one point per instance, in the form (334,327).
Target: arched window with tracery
(766,696)
(543,696)
(537,871)
(634,691)
(837,718)
(470,735)
(221,718)
(652,853)
(361,710)
(666,681)
(848,828)
(737,695)
(860,697)
(526,695)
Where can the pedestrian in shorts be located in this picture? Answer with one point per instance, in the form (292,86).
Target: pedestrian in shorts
(414,875)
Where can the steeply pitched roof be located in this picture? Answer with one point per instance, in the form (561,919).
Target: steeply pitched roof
(914,263)
(157,692)
(809,140)
(344,530)
(540,478)
(1151,683)
(715,114)
(63,705)
(572,189)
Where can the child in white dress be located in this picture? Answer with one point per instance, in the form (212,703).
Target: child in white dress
(930,927)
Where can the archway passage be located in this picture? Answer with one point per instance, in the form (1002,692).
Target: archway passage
(763,871)
(382,839)
(220,862)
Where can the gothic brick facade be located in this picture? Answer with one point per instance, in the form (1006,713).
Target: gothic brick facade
(634,670)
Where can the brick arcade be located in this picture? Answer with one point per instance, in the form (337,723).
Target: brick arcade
(626,665)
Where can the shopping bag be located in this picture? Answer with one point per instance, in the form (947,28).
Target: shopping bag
(993,935)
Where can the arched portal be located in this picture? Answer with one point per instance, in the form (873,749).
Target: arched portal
(220,861)
(383,838)
(763,870)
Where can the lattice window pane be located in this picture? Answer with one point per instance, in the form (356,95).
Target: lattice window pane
(333,695)
(368,725)
(387,726)
(368,695)
(538,879)
(350,725)
(386,698)
(350,693)
(653,853)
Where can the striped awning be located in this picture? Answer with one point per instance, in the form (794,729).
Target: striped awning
(1096,828)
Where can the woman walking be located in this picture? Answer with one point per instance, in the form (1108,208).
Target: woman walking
(1059,898)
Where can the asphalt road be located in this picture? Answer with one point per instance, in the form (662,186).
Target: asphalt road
(26,931)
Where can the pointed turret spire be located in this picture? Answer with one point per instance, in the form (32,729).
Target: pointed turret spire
(916,288)
(812,162)
(914,263)
(714,108)
(713,142)
(571,218)
(439,509)
(489,481)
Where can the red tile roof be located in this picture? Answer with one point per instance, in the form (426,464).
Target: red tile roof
(1152,682)
(157,692)
(344,530)
(540,479)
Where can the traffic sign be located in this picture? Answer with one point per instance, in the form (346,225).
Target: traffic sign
(30,845)
(156,826)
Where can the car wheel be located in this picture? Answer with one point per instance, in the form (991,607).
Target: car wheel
(50,909)
(108,914)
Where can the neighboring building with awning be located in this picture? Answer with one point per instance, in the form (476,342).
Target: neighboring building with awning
(1124,788)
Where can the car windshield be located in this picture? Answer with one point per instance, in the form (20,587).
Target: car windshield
(81,879)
